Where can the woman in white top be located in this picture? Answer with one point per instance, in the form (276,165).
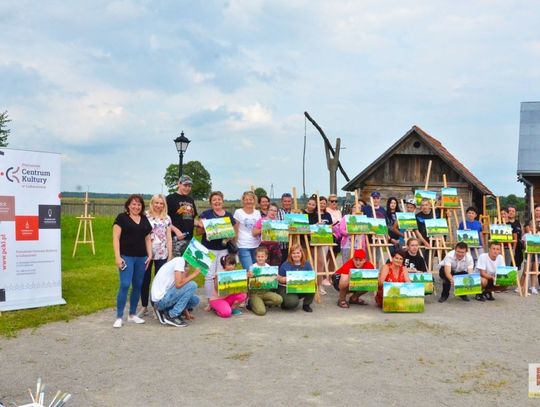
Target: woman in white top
(246,218)
(161,244)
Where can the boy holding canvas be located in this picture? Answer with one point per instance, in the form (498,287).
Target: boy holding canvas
(258,300)
(487,267)
(472,224)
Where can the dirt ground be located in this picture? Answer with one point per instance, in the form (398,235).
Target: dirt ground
(454,353)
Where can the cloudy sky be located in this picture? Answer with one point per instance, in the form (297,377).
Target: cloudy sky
(110,84)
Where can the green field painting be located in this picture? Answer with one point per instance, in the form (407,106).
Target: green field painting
(301,282)
(321,234)
(198,256)
(231,282)
(403,297)
(470,237)
(500,233)
(507,275)
(532,243)
(467,284)
(420,194)
(275,231)
(264,278)
(436,227)
(218,228)
(357,224)
(298,222)
(406,220)
(424,278)
(363,280)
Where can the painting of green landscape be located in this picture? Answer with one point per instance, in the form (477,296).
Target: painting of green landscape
(218,228)
(321,234)
(424,278)
(449,198)
(507,275)
(301,282)
(500,233)
(231,282)
(198,256)
(470,237)
(406,220)
(357,224)
(403,297)
(378,226)
(298,222)
(264,278)
(532,243)
(436,227)
(363,280)
(420,194)
(275,231)
(467,284)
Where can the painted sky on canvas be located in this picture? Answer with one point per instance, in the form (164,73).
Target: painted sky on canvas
(110,84)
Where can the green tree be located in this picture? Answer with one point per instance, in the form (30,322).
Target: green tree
(202,184)
(260,191)
(4,131)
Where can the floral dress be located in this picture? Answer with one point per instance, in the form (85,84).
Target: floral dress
(159,237)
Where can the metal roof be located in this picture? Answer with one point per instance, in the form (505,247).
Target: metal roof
(529,139)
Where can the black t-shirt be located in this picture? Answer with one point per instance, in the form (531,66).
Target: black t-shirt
(132,236)
(313,218)
(516,228)
(420,220)
(218,243)
(182,210)
(414,262)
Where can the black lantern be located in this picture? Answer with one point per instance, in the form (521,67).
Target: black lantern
(182,143)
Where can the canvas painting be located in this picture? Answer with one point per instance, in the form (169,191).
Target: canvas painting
(406,220)
(500,233)
(378,226)
(231,282)
(218,228)
(403,297)
(363,280)
(420,194)
(436,227)
(298,222)
(275,231)
(301,282)
(321,234)
(357,224)
(198,256)
(264,278)
(424,278)
(467,284)
(450,198)
(471,237)
(532,243)
(506,275)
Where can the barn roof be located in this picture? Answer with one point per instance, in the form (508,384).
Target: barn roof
(437,147)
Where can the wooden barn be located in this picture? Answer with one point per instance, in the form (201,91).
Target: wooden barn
(402,169)
(529,150)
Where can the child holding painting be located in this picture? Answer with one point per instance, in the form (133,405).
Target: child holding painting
(259,299)
(393,272)
(226,306)
(340,279)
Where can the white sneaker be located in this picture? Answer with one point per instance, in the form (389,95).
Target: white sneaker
(117,323)
(136,319)
(326,283)
(534,290)
(322,291)
(516,290)
(143,312)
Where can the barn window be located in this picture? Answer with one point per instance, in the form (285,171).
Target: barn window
(416,144)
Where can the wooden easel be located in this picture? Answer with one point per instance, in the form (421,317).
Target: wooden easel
(530,270)
(485,221)
(437,244)
(320,247)
(296,238)
(354,236)
(85,221)
(505,245)
(451,215)
(409,234)
(379,242)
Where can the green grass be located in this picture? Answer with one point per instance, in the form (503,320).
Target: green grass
(403,304)
(89,283)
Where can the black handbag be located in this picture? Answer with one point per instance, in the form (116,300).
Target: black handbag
(232,248)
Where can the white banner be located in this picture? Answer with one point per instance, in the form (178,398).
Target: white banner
(30,262)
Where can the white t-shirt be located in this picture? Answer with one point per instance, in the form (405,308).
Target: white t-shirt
(490,266)
(458,265)
(246,221)
(164,279)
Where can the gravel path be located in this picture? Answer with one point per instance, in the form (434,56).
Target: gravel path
(454,353)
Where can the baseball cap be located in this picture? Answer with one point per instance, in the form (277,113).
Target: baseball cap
(410,202)
(185,180)
(376,194)
(359,254)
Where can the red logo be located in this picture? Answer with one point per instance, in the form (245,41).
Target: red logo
(27,227)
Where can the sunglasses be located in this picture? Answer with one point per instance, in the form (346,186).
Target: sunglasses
(333,200)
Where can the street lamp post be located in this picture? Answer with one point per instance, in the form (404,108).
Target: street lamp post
(182,143)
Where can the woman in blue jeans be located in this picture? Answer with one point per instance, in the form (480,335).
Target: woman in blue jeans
(246,218)
(132,246)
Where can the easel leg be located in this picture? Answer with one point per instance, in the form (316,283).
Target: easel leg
(333,257)
(77,238)
(306,241)
(92,238)
(353,243)
(527,274)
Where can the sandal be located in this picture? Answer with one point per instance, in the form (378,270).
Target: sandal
(356,301)
(343,304)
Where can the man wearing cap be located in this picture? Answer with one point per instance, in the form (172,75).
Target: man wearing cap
(380,212)
(340,279)
(182,210)
(286,207)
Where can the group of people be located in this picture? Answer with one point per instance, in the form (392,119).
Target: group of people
(154,239)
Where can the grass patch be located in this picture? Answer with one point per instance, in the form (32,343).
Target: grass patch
(89,283)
